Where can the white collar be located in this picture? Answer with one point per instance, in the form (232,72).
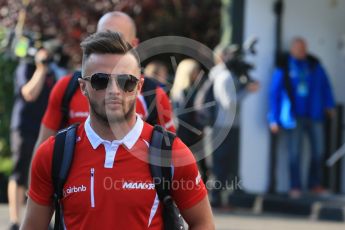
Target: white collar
(129,140)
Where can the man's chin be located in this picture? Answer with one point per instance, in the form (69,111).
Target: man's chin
(116,116)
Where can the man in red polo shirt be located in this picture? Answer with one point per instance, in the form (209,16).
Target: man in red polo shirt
(109,185)
(78,107)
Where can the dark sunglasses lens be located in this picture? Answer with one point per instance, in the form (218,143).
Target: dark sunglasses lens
(99,81)
(126,82)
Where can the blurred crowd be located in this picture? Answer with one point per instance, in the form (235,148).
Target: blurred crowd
(74,20)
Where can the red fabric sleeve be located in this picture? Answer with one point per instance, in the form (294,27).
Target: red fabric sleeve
(140,108)
(164,110)
(188,189)
(41,185)
(53,115)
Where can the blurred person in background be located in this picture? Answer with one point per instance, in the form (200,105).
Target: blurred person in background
(188,79)
(159,71)
(78,109)
(226,156)
(33,83)
(300,94)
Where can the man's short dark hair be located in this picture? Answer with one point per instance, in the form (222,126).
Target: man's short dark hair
(105,43)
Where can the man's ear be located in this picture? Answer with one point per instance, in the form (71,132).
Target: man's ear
(82,85)
(140,84)
(135,42)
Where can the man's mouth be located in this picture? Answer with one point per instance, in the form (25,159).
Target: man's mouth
(113,102)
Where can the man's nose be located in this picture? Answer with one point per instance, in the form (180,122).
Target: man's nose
(113,87)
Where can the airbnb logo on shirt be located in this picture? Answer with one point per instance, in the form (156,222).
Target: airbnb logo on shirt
(74,189)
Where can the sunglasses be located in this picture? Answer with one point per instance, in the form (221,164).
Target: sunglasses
(99,81)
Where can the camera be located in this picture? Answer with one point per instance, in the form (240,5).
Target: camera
(27,45)
(238,66)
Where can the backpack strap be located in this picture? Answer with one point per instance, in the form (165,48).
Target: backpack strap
(62,160)
(160,163)
(160,156)
(69,92)
(149,94)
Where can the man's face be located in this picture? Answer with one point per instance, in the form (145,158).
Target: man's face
(299,49)
(111,104)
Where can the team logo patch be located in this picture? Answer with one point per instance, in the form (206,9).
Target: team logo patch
(138,185)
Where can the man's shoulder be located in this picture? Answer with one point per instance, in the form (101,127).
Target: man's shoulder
(219,68)
(47,143)
(313,60)
(151,86)
(50,142)
(179,145)
(181,154)
(44,154)
(151,81)
(63,82)
(146,133)
(221,79)
(160,92)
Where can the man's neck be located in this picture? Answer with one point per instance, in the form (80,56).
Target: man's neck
(112,131)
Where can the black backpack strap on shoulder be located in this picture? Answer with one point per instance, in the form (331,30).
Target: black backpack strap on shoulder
(69,92)
(160,157)
(160,160)
(62,160)
(149,93)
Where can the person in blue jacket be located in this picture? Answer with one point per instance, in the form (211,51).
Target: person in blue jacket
(300,96)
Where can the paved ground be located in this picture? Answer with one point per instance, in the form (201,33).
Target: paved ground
(237,221)
(251,222)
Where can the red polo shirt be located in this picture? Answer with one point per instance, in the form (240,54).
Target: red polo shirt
(79,108)
(110,186)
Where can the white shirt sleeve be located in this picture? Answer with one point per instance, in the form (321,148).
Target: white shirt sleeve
(224,89)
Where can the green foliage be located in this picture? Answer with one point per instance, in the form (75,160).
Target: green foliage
(5,166)
(72,20)
(7,67)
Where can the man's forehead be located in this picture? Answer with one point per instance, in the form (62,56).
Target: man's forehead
(113,62)
(122,58)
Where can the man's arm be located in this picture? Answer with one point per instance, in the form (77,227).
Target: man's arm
(199,217)
(37,217)
(327,92)
(274,91)
(39,207)
(43,135)
(51,120)
(190,195)
(31,90)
